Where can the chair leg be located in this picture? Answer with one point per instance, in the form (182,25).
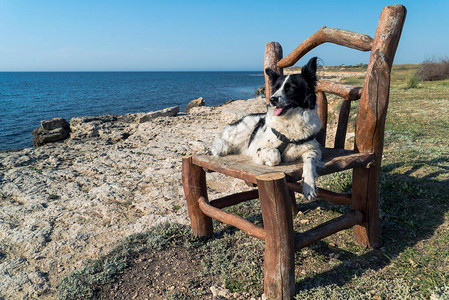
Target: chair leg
(293,202)
(365,198)
(194,184)
(279,265)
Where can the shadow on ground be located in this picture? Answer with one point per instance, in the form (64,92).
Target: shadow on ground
(412,207)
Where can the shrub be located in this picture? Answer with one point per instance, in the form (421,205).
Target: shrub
(412,81)
(433,69)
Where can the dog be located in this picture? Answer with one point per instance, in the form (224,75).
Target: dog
(286,132)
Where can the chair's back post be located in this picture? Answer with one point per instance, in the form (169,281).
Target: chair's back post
(370,123)
(321,102)
(374,100)
(342,126)
(273,54)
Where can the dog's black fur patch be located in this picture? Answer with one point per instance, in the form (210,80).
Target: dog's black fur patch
(296,90)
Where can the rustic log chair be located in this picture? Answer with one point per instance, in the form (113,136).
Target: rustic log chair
(276,185)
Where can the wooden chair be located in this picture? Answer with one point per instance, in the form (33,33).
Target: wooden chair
(276,185)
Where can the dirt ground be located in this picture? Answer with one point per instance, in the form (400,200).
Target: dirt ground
(156,274)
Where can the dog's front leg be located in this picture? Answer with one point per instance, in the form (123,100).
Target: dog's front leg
(268,156)
(309,174)
(220,147)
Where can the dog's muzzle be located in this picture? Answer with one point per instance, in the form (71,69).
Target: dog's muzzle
(278,107)
(275,101)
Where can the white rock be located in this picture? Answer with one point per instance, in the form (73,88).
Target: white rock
(64,204)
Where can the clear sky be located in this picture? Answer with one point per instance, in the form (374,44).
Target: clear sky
(158,35)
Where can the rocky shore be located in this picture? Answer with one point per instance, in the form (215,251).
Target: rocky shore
(66,203)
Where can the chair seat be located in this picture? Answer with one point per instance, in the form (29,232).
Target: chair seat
(240,166)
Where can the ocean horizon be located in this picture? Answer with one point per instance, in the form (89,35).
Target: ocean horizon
(26,98)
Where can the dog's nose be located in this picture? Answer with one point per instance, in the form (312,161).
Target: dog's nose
(274,100)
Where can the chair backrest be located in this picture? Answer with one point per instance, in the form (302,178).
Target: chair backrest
(374,94)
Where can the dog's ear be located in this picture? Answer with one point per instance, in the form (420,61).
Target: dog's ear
(309,71)
(272,75)
(309,74)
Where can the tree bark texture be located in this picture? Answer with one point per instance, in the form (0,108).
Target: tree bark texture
(194,184)
(370,124)
(337,36)
(279,265)
(273,53)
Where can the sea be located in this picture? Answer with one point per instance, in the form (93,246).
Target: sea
(26,98)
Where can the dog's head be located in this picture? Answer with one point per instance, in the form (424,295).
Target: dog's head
(297,90)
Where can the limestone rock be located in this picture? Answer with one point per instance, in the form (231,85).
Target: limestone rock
(114,128)
(65,204)
(195,103)
(167,112)
(220,293)
(53,130)
(231,115)
(53,123)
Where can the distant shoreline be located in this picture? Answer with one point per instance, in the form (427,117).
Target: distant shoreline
(34,96)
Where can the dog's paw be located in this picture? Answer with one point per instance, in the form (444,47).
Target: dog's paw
(309,189)
(270,157)
(219,147)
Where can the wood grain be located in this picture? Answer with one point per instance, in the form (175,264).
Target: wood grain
(235,199)
(328,228)
(337,36)
(194,184)
(279,264)
(347,92)
(242,167)
(329,196)
(370,123)
(273,53)
(231,219)
(321,102)
(342,126)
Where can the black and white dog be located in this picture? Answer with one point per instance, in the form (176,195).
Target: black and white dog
(286,132)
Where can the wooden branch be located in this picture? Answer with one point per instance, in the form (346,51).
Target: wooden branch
(337,36)
(235,199)
(231,219)
(321,102)
(273,53)
(346,221)
(370,124)
(345,91)
(279,265)
(342,127)
(194,184)
(341,163)
(329,196)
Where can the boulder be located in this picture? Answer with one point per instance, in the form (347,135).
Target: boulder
(53,130)
(260,91)
(53,123)
(195,103)
(166,112)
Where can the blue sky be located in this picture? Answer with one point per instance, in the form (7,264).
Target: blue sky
(168,35)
